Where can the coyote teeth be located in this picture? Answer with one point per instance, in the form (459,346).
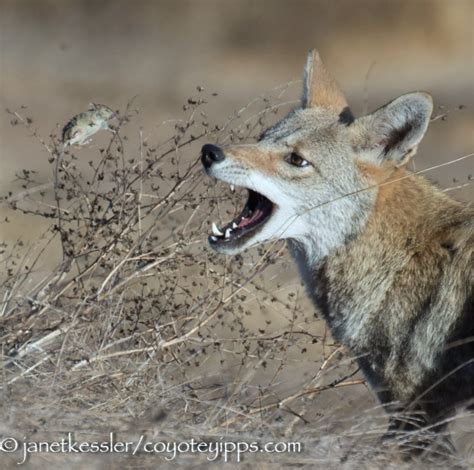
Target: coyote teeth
(234,225)
(232,187)
(227,232)
(213,238)
(216,231)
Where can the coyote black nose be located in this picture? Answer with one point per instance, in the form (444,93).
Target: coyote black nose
(210,154)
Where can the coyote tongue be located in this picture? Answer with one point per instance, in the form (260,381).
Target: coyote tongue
(256,215)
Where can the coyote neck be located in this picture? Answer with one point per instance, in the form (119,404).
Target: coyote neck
(373,272)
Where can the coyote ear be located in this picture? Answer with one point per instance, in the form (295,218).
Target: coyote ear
(319,88)
(394,131)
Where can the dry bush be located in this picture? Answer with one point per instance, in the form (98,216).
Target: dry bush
(119,318)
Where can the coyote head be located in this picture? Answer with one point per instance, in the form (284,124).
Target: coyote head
(313,176)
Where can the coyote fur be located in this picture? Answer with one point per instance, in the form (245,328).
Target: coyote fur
(386,256)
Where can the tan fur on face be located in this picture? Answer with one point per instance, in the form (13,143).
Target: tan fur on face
(270,163)
(253,157)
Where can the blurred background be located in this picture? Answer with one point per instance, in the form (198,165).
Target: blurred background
(56,56)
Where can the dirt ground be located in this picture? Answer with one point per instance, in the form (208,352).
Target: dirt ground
(92,368)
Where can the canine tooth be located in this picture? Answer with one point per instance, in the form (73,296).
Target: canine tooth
(227,233)
(234,225)
(215,230)
(213,238)
(232,187)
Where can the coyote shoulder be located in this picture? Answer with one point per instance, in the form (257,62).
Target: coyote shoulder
(386,256)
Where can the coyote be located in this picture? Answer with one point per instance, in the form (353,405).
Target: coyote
(386,257)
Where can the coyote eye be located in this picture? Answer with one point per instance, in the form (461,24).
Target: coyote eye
(295,160)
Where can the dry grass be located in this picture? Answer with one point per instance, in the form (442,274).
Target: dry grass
(140,329)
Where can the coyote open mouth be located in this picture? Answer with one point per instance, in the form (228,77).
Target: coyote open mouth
(255,214)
